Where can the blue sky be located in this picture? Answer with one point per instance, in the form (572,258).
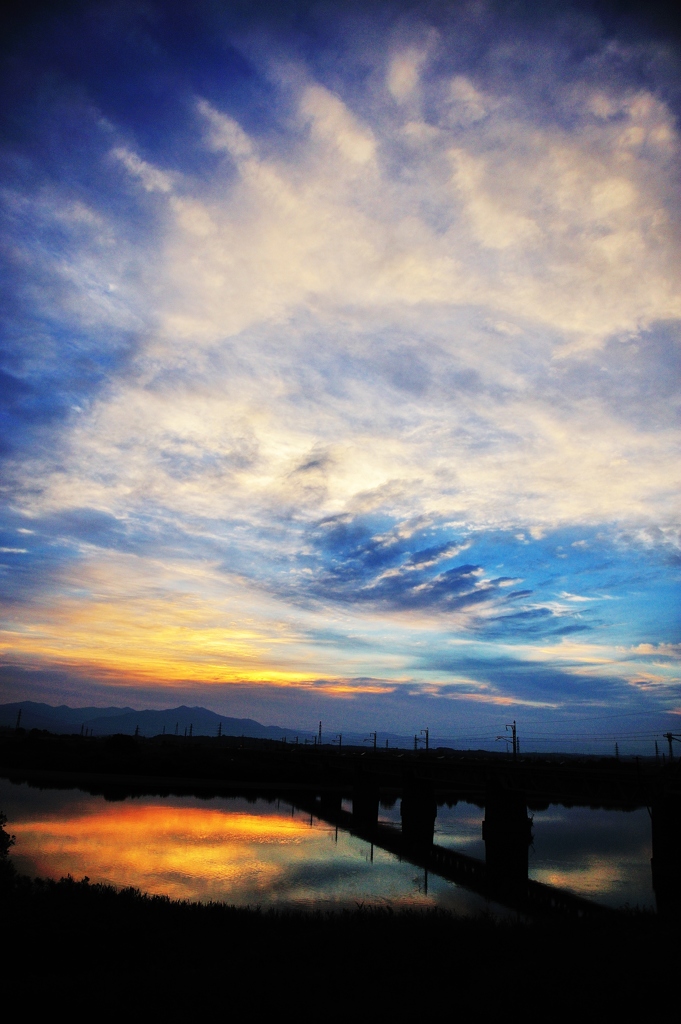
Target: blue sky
(339,374)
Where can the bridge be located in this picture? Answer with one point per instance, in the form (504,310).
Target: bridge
(504,885)
(316,780)
(507,831)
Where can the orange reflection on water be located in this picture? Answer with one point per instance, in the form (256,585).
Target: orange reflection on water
(593,878)
(184,852)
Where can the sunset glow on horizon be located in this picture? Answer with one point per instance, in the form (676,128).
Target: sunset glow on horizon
(340,367)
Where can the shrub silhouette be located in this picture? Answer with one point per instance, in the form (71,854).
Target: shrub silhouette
(6,840)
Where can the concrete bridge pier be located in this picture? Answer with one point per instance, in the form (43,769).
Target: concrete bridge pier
(365,804)
(419,811)
(507,832)
(330,803)
(666,859)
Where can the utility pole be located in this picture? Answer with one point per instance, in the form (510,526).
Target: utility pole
(320,734)
(617,752)
(669,736)
(219,729)
(514,734)
(19,718)
(657,752)
(426,734)
(416,742)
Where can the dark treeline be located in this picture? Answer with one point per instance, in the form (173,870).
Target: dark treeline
(78,945)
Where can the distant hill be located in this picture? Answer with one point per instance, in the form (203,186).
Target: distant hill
(201,721)
(59,719)
(107,721)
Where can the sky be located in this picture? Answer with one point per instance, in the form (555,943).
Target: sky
(339,368)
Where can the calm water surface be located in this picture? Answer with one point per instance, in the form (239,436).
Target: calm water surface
(264,854)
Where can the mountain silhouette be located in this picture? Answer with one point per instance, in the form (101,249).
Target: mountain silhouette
(108,721)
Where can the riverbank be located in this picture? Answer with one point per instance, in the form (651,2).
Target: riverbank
(72,940)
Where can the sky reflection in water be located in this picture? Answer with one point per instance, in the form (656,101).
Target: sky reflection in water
(268,854)
(599,854)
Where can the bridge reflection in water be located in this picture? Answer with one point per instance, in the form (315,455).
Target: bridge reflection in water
(666,860)
(214,844)
(507,831)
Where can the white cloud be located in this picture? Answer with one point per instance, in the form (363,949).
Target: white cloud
(332,122)
(153,179)
(225,133)
(285,301)
(404,72)
(469,104)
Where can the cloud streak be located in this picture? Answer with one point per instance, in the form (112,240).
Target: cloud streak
(393,357)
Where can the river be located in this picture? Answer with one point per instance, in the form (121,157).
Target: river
(267,853)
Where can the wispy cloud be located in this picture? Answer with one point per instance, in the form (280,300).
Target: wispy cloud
(396,349)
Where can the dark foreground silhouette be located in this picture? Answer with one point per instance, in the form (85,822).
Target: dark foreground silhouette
(92,947)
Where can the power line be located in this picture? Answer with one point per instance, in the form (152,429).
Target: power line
(627,714)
